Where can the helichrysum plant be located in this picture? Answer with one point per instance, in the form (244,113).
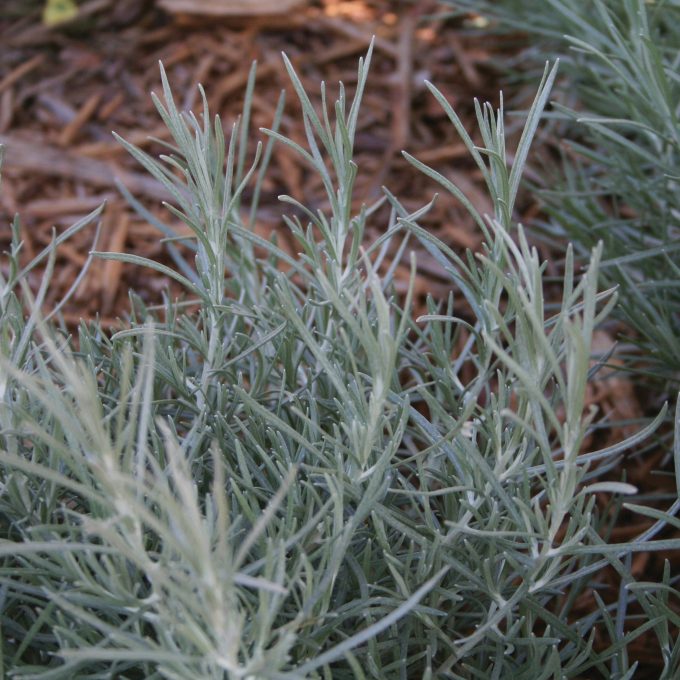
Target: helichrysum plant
(620,112)
(299,480)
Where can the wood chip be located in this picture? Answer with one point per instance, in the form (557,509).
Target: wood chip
(141,138)
(70,132)
(118,222)
(70,205)
(230,7)
(108,109)
(47,160)
(443,153)
(20,71)
(6,109)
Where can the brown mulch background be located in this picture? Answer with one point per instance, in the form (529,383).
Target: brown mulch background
(63,90)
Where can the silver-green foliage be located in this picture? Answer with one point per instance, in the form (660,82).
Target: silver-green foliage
(296,481)
(619,184)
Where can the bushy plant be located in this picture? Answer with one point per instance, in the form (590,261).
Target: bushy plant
(297,480)
(619,103)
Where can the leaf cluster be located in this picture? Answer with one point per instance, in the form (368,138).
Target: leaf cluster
(617,112)
(299,479)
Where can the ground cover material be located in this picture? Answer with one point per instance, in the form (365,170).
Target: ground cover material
(65,89)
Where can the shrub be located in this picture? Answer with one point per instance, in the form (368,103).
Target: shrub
(620,97)
(296,480)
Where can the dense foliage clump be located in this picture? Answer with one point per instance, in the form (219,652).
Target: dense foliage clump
(286,475)
(619,125)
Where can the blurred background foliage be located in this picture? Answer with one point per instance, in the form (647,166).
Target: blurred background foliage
(613,173)
(59,11)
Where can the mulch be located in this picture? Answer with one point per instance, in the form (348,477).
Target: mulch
(62,92)
(64,89)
